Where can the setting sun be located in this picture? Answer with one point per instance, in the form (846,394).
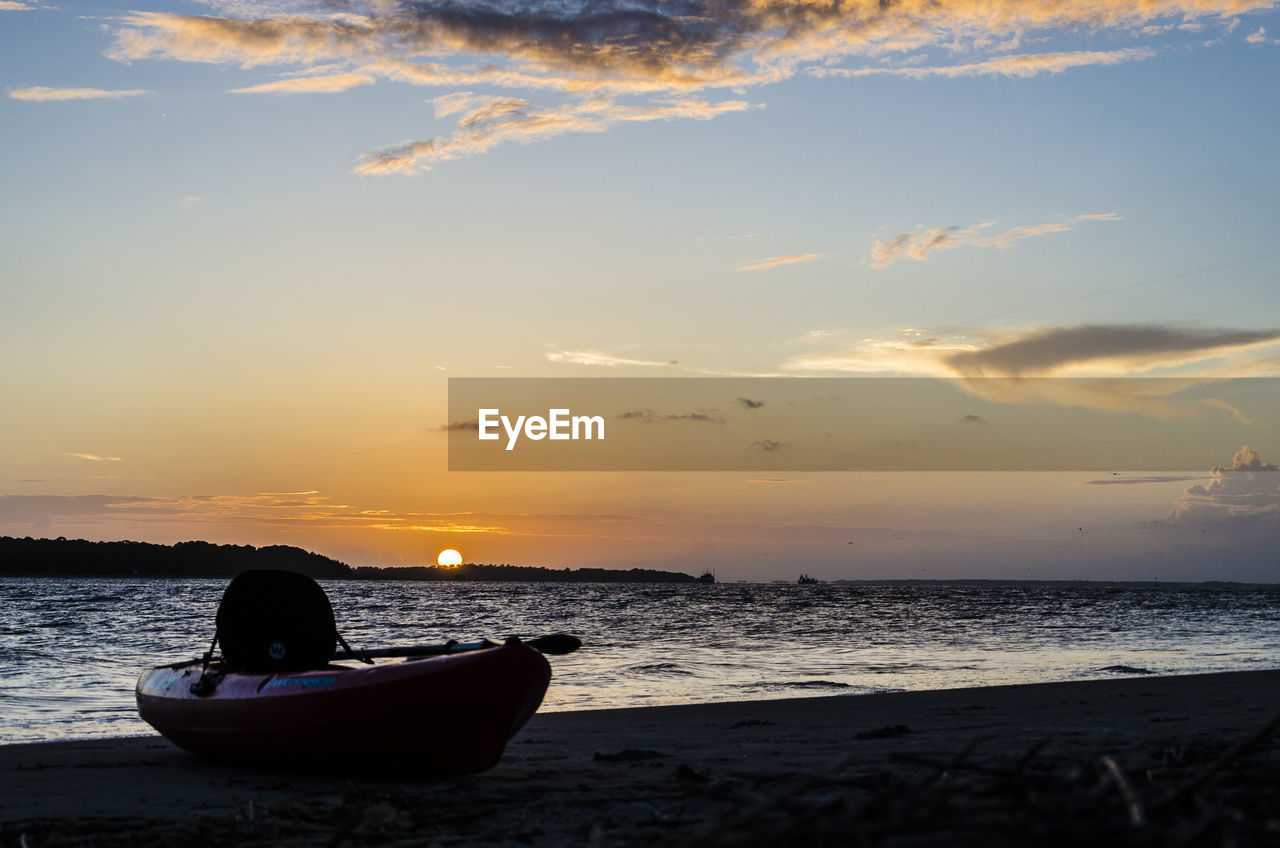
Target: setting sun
(449,557)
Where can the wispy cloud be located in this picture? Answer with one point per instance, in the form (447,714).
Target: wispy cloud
(913,353)
(595,357)
(770,445)
(42,511)
(1077,351)
(92,457)
(917,244)
(310,512)
(15,6)
(775,261)
(1238,414)
(44,94)
(455,426)
(501,119)
(1260,37)
(1119,348)
(1021,65)
(594,53)
(648,416)
(1121,480)
(329,84)
(1112,366)
(678,45)
(247,42)
(310,509)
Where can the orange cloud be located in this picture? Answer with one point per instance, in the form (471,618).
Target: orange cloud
(775,261)
(93,457)
(1021,66)
(919,243)
(248,43)
(611,48)
(43,94)
(496,121)
(1116,347)
(1078,351)
(330,84)
(594,357)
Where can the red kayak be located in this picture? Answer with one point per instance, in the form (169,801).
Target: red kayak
(450,714)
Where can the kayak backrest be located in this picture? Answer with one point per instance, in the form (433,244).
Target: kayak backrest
(272,620)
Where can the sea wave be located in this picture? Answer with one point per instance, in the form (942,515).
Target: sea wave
(72,649)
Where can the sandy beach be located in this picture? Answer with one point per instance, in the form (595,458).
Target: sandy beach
(1136,760)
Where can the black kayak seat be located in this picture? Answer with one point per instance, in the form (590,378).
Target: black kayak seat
(272,620)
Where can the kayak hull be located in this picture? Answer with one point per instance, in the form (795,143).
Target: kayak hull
(443,715)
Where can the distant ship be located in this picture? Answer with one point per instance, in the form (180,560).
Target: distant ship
(707,577)
(806,580)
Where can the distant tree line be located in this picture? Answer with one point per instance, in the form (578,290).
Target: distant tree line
(521,573)
(64,557)
(79,558)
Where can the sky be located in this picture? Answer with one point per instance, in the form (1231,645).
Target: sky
(244,246)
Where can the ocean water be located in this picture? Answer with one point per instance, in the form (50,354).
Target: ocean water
(71,649)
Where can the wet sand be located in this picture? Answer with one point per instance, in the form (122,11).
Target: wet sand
(1133,760)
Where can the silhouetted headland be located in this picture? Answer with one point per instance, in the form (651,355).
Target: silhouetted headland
(63,557)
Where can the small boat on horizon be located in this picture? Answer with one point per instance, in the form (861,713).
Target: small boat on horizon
(806,580)
(707,577)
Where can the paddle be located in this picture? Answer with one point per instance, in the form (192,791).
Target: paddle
(555,644)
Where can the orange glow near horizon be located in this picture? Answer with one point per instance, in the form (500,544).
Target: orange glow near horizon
(449,558)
